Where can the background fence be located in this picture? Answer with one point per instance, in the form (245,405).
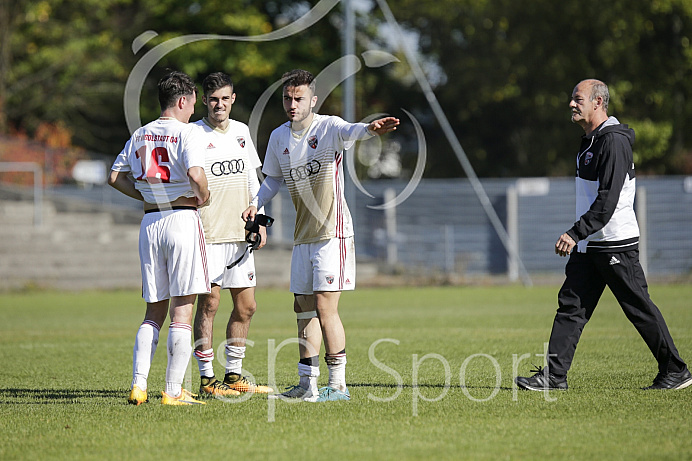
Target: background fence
(442,227)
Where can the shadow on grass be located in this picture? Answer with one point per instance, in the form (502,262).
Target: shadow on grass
(14,396)
(424,386)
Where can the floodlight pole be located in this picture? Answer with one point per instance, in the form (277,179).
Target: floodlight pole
(349,100)
(454,142)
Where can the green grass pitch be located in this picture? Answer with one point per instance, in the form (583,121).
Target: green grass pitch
(430,371)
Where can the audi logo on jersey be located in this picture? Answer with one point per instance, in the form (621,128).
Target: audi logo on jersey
(303,171)
(227,167)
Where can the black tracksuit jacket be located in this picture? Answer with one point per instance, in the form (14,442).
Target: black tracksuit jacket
(605,186)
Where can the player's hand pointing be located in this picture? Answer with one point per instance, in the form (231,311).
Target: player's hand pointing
(383,125)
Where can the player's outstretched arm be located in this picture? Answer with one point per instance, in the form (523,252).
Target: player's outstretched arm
(383,125)
(120,181)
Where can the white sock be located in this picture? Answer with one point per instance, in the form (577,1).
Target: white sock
(336,364)
(145,345)
(205,362)
(234,359)
(308,377)
(179,351)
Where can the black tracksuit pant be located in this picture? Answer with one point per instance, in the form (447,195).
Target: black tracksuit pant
(587,276)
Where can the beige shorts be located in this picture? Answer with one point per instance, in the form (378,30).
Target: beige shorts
(329,265)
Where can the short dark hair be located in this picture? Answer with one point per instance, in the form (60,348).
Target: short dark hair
(216,81)
(299,77)
(172,86)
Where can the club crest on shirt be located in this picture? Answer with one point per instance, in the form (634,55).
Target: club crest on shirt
(250,275)
(329,279)
(312,142)
(241,141)
(588,157)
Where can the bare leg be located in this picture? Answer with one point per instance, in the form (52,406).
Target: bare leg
(327,303)
(207,306)
(156,312)
(309,331)
(244,307)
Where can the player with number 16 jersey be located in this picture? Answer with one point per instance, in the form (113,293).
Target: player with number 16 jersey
(160,153)
(163,166)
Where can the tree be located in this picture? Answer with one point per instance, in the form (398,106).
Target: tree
(511,66)
(502,70)
(65,63)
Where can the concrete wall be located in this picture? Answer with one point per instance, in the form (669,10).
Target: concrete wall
(86,249)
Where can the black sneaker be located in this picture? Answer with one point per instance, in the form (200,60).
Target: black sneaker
(541,381)
(672,380)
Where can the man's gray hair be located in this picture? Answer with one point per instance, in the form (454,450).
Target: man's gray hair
(600,90)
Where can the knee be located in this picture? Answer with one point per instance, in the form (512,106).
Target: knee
(325,312)
(244,312)
(248,310)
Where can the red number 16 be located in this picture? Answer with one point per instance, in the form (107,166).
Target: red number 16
(156,173)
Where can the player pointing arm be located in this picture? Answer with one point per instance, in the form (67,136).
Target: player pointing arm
(307,155)
(271,185)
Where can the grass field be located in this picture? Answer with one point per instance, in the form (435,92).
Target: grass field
(423,371)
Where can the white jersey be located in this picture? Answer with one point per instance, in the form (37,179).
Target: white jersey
(311,164)
(230,156)
(159,155)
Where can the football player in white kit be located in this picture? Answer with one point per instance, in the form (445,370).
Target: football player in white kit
(163,165)
(307,154)
(231,169)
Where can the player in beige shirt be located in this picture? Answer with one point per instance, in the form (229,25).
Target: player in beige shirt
(231,162)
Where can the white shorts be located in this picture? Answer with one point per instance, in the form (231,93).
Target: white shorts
(329,265)
(172,255)
(220,255)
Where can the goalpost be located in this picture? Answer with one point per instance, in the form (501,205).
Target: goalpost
(35,168)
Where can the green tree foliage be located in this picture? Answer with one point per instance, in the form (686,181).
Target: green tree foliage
(502,70)
(511,67)
(64,62)
(253,65)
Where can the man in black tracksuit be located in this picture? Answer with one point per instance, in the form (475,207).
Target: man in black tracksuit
(606,237)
